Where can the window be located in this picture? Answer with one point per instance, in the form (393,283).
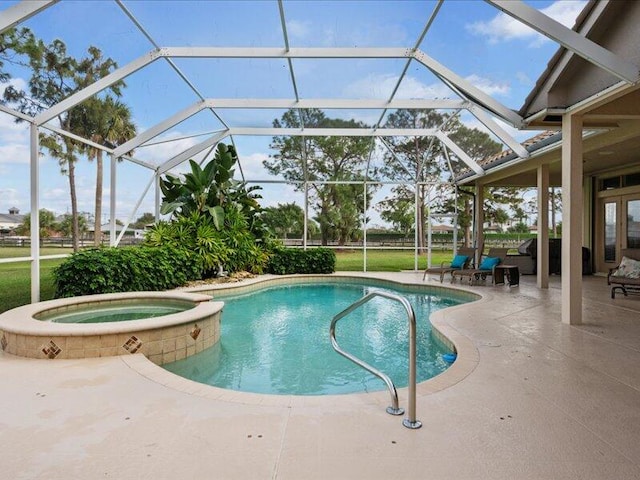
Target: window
(610,183)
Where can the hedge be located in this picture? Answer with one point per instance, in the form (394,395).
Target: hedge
(110,270)
(291,260)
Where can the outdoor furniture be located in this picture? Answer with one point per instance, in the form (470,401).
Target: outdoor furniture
(511,272)
(626,276)
(449,267)
(486,268)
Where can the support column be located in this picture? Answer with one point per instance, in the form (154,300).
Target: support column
(542,268)
(478,215)
(35,213)
(416,219)
(305,232)
(112,202)
(364,229)
(572,219)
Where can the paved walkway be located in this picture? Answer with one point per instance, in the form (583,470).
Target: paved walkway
(531,398)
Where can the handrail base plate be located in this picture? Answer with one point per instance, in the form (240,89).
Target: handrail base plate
(395,411)
(412,425)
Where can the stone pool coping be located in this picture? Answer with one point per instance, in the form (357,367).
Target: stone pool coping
(162,339)
(466,362)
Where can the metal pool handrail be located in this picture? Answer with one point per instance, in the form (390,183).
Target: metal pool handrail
(410,421)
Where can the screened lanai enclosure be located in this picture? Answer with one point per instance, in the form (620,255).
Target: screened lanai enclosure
(257,75)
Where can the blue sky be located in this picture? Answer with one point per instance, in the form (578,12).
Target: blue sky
(473,39)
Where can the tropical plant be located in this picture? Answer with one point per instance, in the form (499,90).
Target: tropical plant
(47,221)
(104,121)
(203,190)
(214,217)
(287,219)
(66,225)
(143,220)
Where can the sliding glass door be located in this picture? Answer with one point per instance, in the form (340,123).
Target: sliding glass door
(618,227)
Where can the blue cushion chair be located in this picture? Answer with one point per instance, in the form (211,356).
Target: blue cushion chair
(462,260)
(487,266)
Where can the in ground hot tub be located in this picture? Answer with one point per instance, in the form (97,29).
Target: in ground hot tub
(164,326)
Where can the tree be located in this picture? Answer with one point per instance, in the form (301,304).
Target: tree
(55,76)
(339,206)
(519,227)
(413,160)
(47,220)
(500,217)
(66,225)
(555,198)
(477,145)
(13,43)
(145,219)
(399,212)
(286,219)
(421,161)
(105,121)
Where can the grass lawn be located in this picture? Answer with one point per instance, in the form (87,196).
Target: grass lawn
(15,278)
(386,260)
(13,252)
(15,282)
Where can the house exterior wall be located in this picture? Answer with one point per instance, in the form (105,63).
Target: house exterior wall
(581,79)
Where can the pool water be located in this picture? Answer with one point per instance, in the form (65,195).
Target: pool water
(113,313)
(276,340)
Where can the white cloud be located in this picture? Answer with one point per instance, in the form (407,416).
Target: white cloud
(14,153)
(160,153)
(503,28)
(381,86)
(12,198)
(252,166)
(488,86)
(298,29)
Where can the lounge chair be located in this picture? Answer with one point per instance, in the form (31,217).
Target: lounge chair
(462,260)
(495,257)
(626,276)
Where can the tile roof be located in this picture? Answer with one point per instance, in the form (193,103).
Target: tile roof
(531,145)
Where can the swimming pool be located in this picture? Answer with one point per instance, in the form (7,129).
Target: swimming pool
(276,340)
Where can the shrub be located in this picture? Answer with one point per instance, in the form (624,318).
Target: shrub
(109,270)
(290,260)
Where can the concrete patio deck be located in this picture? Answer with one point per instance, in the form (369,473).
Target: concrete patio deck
(531,398)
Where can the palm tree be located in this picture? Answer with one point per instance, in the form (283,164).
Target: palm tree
(106,121)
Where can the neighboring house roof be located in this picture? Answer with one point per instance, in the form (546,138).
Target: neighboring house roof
(8,220)
(441,228)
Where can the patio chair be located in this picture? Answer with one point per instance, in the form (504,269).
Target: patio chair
(626,276)
(462,260)
(495,257)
